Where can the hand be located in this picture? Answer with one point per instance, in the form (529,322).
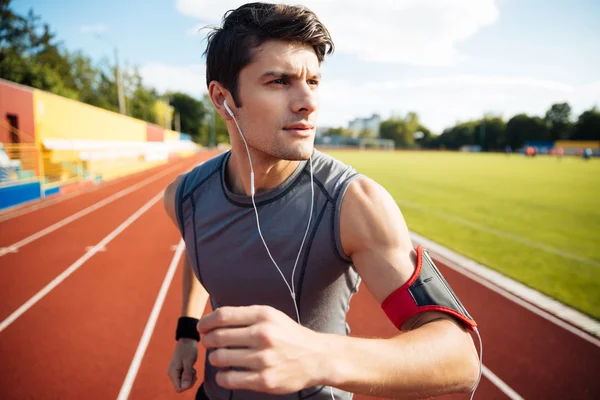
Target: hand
(278,355)
(181,369)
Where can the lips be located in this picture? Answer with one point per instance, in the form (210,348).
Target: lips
(299,130)
(298,127)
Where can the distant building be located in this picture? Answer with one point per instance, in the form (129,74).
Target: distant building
(359,124)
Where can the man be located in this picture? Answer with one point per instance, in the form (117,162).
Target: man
(243,216)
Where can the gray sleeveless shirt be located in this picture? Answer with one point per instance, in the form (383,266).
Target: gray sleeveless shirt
(229,258)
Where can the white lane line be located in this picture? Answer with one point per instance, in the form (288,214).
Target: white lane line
(538,303)
(143,345)
(75,266)
(16,246)
(7,215)
(499,383)
(487,229)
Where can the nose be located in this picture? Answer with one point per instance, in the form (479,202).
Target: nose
(305,100)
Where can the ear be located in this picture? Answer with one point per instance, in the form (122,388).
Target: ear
(218,94)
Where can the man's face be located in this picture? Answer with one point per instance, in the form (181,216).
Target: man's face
(278,92)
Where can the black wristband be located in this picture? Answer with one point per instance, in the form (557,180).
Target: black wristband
(186,328)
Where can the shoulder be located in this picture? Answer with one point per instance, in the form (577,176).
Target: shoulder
(186,182)
(333,174)
(169,197)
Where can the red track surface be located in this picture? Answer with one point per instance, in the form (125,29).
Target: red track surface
(78,341)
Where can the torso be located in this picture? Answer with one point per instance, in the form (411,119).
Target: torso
(230,260)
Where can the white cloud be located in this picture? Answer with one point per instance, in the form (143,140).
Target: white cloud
(190,79)
(415,32)
(98,28)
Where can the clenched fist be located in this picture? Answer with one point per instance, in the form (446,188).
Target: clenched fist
(181,369)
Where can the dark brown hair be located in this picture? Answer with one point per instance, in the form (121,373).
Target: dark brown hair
(231,47)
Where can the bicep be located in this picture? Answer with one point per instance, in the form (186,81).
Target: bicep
(375,235)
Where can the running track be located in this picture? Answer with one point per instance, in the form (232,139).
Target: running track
(80,276)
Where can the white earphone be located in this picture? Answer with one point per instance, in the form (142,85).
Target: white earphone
(252,191)
(228,109)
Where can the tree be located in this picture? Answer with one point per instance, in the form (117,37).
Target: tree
(339,131)
(423,136)
(558,117)
(366,133)
(587,126)
(394,129)
(191,112)
(85,79)
(400,130)
(490,133)
(29,53)
(141,100)
(14,42)
(453,138)
(522,127)
(412,123)
(212,119)
(106,90)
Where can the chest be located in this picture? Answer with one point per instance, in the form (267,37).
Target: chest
(237,269)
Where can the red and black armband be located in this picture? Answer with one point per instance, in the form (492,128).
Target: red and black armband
(426,290)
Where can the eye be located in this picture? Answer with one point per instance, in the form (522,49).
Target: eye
(313,82)
(279,81)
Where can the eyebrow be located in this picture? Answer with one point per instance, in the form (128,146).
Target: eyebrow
(286,75)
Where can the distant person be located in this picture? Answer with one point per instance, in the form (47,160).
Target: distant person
(266,338)
(530,151)
(587,153)
(560,152)
(508,150)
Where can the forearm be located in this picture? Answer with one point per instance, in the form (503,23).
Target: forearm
(194,296)
(435,359)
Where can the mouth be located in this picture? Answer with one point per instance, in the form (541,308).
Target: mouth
(300,129)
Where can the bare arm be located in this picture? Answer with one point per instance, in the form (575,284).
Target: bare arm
(181,368)
(436,355)
(194,297)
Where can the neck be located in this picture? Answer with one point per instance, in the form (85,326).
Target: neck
(269,172)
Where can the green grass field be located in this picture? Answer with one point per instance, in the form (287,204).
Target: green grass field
(534,220)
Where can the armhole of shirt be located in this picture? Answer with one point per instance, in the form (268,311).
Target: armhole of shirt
(337,215)
(179,203)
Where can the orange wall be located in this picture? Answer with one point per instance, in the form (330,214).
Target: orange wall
(17,100)
(154,133)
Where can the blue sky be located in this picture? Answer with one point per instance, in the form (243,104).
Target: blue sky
(448,60)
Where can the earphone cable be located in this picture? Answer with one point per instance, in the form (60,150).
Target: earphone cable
(260,231)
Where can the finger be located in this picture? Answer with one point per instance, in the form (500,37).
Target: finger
(249,380)
(248,359)
(175,375)
(232,316)
(230,337)
(240,358)
(187,377)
